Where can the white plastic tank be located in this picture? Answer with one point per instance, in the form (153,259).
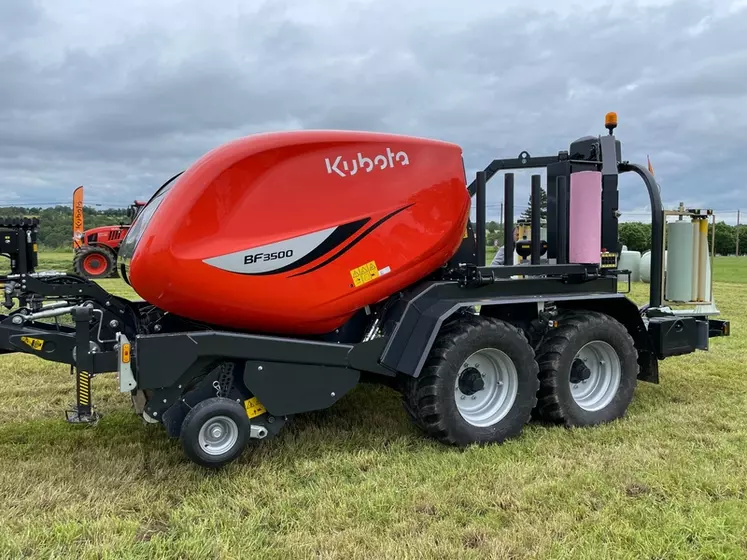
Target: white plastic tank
(645,270)
(679,285)
(631,260)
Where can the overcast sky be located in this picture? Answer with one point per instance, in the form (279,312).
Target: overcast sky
(120,96)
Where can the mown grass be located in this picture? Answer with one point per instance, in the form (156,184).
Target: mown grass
(358,481)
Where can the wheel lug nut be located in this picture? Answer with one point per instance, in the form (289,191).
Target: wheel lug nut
(462,397)
(473,397)
(575,386)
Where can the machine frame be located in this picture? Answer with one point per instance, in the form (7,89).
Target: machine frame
(170,364)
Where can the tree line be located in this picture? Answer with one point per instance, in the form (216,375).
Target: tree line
(56,223)
(637,236)
(56,228)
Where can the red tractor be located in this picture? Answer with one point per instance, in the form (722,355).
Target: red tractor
(97,249)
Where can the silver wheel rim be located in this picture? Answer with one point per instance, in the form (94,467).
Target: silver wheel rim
(218,435)
(604,367)
(493,402)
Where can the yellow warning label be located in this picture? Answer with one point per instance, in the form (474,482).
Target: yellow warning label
(35,343)
(84,388)
(364,274)
(254,407)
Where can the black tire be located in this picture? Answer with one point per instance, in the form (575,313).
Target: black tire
(557,358)
(410,402)
(432,400)
(94,262)
(205,412)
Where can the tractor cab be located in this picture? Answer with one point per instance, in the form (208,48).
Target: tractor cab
(134,209)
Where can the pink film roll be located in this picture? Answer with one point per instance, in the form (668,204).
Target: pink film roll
(585,223)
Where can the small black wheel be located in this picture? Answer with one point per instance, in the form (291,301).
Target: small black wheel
(588,370)
(479,384)
(94,262)
(215,432)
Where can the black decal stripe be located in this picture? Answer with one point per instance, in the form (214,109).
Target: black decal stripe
(336,238)
(354,242)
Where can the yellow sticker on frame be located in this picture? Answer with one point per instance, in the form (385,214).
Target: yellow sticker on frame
(254,408)
(34,343)
(364,274)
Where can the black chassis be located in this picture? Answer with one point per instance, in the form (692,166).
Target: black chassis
(176,363)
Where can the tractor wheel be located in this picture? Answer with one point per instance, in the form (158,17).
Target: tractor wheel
(479,384)
(215,432)
(588,370)
(94,262)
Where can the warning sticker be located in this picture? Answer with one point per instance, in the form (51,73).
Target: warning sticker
(364,274)
(254,408)
(35,343)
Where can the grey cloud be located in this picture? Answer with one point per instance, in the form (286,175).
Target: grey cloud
(123,110)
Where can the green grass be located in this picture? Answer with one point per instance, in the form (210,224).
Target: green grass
(731,269)
(358,481)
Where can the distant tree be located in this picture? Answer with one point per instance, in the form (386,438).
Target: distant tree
(527,213)
(492,226)
(725,243)
(56,223)
(635,235)
(494,238)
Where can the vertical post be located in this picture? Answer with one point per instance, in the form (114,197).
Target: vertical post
(22,264)
(83,413)
(657,230)
(737,232)
(536,214)
(508,220)
(562,221)
(480,201)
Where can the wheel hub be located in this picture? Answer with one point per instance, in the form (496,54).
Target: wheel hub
(486,388)
(579,371)
(218,435)
(595,375)
(470,381)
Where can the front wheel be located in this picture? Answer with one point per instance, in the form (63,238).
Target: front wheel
(94,262)
(215,432)
(479,384)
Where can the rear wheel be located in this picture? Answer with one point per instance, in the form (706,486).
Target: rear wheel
(588,370)
(94,262)
(215,432)
(479,384)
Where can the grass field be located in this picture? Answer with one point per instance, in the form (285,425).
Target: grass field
(358,481)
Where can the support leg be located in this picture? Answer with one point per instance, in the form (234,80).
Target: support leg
(83,412)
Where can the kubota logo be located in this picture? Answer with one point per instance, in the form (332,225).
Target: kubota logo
(345,168)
